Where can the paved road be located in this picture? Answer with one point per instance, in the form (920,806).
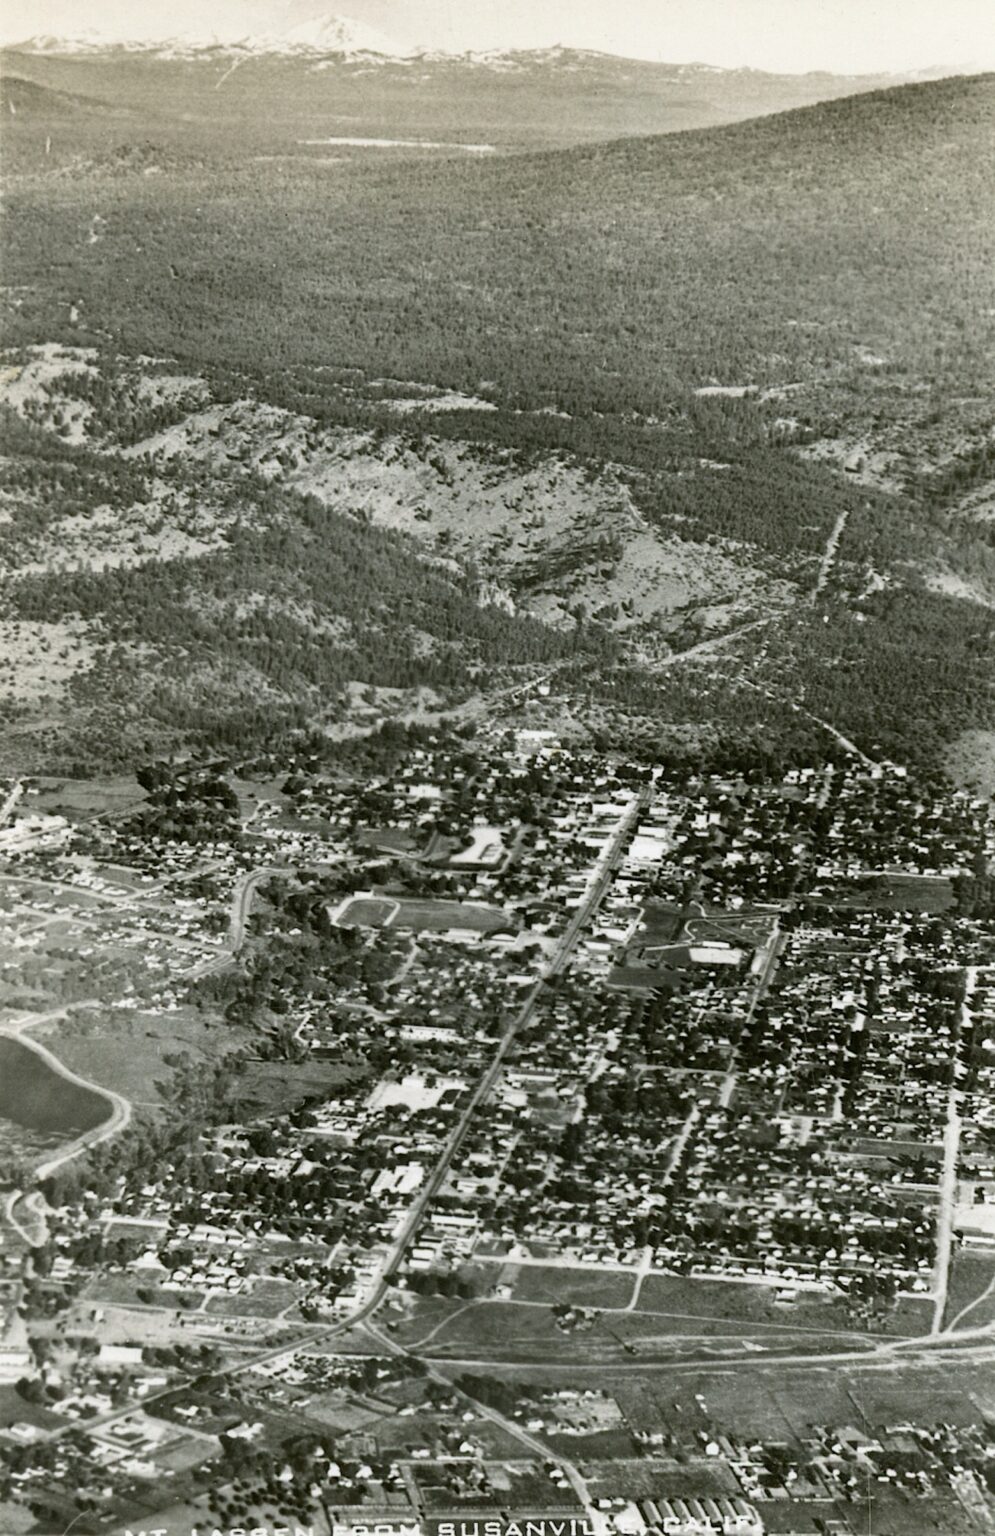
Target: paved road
(948,1177)
(241,905)
(554,966)
(771,957)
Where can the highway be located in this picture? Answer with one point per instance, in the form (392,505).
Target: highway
(771,956)
(541,1450)
(241,903)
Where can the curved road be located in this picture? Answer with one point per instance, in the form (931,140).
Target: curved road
(120,1115)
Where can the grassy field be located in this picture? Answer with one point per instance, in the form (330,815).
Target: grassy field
(79,798)
(123,1289)
(268,1298)
(970,1276)
(573,1287)
(367,912)
(526,1332)
(14,1409)
(424,916)
(126,1052)
(675,1317)
(738,1301)
(435,916)
(892,893)
(773,1400)
(274,1087)
(698,1478)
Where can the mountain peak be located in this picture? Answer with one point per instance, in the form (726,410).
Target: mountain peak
(338,34)
(329,34)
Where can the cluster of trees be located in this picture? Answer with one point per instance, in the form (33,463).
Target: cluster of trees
(315,964)
(45,478)
(901,674)
(495,1392)
(119,410)
(974,894)
(187,805)
(461,1285)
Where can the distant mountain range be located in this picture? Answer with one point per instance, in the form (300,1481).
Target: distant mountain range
(324,35)
(334,81)
(345,38)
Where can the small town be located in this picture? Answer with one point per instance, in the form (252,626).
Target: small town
(508,1058)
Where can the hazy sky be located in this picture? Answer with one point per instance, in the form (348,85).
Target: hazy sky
(794,35)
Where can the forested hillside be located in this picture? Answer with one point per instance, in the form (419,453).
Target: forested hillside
(768,345)
(257,613)
(611,279)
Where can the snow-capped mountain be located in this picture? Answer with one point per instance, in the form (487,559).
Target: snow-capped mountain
(321,36)
(337,34)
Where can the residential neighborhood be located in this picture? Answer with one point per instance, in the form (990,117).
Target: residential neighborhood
(506,1055)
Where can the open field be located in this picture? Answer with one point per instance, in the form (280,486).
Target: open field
(767,1401)
(625,1477)
(122,1289)
(892,893)
(14,1409)
(573,1287)
(526,1332)
(971,1275)
(81,798)
(747,1302)
(368,912)
(970,761)
(127,1052)
(423,916)
(773,1399)
(267,1298)
(436,916)
(697,1299)
(274,1087)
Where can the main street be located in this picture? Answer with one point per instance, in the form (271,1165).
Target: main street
(591,901)
(948,1176)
